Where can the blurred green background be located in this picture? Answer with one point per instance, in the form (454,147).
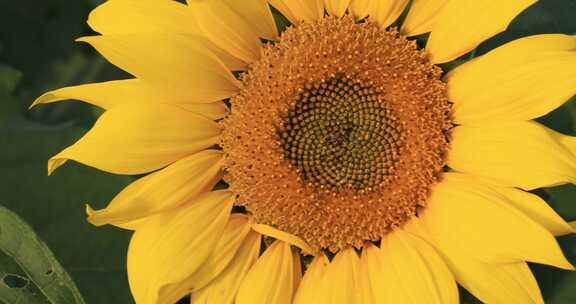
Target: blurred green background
(38,53)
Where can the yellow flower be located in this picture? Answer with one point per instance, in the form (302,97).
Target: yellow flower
(340,147)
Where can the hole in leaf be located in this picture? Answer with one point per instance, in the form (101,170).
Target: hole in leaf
(15,281)
(49,272)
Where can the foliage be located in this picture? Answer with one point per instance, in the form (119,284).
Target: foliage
(44,278)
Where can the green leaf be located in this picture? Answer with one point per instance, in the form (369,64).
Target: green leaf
(18,241)
(54,207)
(21,290)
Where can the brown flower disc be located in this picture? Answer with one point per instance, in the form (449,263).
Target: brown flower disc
(338,133)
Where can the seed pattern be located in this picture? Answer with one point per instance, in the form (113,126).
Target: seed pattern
(338,134)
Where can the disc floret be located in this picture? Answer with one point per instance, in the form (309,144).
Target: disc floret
(338,133)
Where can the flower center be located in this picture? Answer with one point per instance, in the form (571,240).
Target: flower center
(338,133)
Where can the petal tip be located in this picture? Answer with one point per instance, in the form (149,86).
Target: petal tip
(285,237)
(106,216)
(55,163)
(86,39)
(44,98)
(90,213)
(566,265)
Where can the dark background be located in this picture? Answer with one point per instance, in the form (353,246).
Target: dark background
(38,53)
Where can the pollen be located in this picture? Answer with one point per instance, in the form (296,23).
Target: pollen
(338,134)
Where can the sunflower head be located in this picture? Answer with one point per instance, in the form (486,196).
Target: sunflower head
(337,136)
(338,133)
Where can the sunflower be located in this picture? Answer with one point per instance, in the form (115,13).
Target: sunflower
(331,161)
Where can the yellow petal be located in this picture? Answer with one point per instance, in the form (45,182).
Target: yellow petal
(256,13)
(406,263)
(341,285)
(336,7)
(402,251)
(153,16)
(271,279)
(283,236)
(498,283)
(109,94)
(422,16)
(524,79)
(385,12)
(104,94)
(491,283)
(223,289)
(474,219)
(520,154)
(136,140)
(463,25)
(531,205)
(225,250)
(230,61)
(536,208)
(360,8)
(300,10)
(364,284)
(137,16)
(308,291)
(163,190)
(296,271)
(227,29)
(285,7)
(181,62)
(372,257)
(168,249)
(213,111)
